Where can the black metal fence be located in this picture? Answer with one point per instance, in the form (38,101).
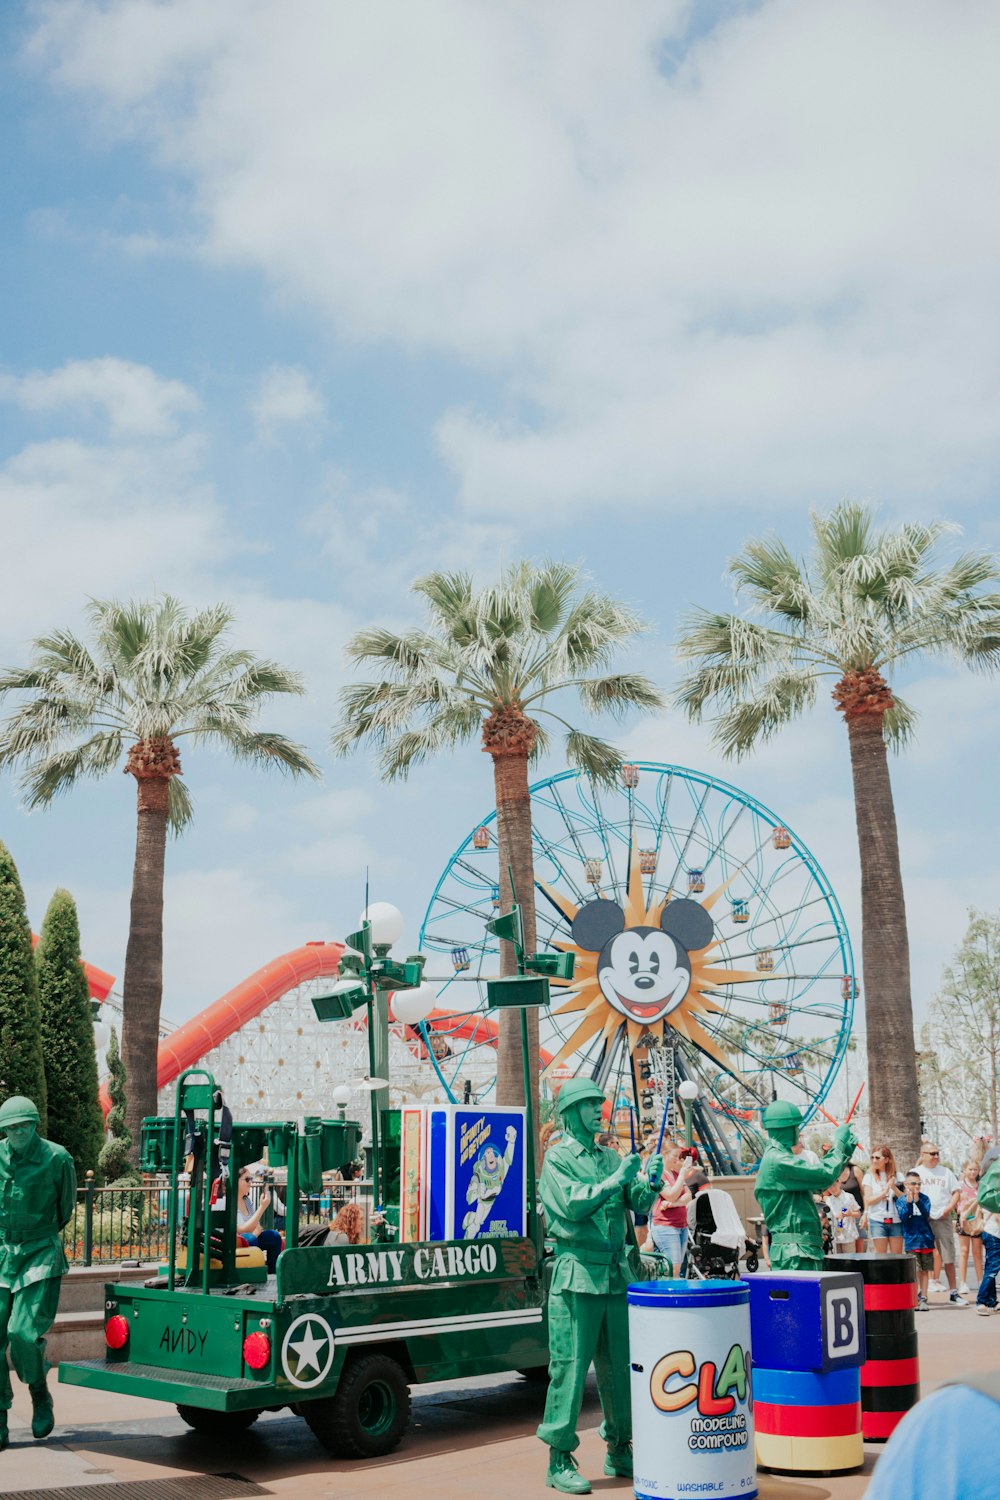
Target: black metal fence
(114,1224)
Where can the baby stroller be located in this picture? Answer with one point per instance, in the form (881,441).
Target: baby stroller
(717,1238)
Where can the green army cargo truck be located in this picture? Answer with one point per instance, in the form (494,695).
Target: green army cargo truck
(340,1333)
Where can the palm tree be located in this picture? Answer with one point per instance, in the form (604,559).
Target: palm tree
(154,674)
(865,602)
(481,669)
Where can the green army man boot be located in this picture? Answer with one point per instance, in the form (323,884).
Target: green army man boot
(618,1464)
(42,1415)
(564,1474)
(4,1434)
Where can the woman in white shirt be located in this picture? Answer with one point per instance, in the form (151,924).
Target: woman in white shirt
(880,1193)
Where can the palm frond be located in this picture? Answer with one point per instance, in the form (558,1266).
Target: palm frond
(593,631)
(62,654)
(262,747)
(59,770)
(376,711)
(618,694)
(550,591)
(407,653)
(768,571)
(744,726)
(39,725)
(899,724)
(450,596)
(443,732)
(180,809)
(601,761)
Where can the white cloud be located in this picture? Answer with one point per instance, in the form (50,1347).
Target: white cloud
(210,915)
(330,811)
(240,817)
(392,540)
(103,520)
(285,397)
(758,273)
(136,402)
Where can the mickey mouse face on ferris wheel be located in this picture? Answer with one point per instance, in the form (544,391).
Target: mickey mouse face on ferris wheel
(644,972)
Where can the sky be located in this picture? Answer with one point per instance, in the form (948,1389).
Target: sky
(305,300)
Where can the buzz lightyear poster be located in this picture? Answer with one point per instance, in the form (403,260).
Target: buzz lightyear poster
(477,1172)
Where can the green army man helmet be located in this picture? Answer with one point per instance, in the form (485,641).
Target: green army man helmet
(18,1111)
(575,1091)
(782,1121)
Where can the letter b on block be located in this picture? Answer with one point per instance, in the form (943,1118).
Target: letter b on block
(843,1322)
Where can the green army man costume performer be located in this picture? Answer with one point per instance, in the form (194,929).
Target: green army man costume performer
(37,1199)
(586,1191)
(786,1184)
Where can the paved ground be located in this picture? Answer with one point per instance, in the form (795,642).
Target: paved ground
(474,1440)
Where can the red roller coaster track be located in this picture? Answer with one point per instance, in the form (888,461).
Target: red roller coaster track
(184,1047)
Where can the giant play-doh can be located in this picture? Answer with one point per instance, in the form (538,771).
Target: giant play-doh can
(692,1407)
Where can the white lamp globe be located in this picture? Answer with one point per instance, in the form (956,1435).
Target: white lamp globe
(386,920)
(413,1006)
(341,1096)
(101,1036)
(688,1090)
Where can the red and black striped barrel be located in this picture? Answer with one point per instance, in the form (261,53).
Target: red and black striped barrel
(890,1377)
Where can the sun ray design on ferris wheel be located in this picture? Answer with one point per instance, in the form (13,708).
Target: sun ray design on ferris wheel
(598,1016)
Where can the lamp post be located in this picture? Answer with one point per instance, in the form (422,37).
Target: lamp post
(688,1092)
(386,924)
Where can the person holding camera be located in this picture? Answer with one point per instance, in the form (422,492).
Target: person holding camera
(669,1228)
(248,1220)
(914,1209)
(881,1186)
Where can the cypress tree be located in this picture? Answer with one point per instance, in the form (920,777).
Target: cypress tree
(68,1036)
(22,1069)
(114,1163)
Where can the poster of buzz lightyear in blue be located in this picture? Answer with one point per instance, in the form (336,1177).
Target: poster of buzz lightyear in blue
(477,1172)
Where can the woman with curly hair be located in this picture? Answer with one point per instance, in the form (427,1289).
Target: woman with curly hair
(348,1227)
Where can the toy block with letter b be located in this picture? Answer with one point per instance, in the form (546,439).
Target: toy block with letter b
(807,1320)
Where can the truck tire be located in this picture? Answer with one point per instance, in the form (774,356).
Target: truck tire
(536,1374)
(217,1423)
(369,1412)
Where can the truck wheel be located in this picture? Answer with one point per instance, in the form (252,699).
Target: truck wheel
(217,1423)
(369,1413)
(537,1374)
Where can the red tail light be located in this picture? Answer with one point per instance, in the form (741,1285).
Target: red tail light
(116,1332)
(256,1350)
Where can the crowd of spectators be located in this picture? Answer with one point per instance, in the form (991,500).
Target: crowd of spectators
(927,1211)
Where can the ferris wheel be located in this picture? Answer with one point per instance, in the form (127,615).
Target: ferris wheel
(709,947)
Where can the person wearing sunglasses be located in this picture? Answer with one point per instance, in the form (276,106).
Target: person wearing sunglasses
(881,1190)
(941,1186)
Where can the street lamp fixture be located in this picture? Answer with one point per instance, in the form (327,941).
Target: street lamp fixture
(688,1092)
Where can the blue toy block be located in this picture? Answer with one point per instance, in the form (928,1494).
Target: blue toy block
(807,1320)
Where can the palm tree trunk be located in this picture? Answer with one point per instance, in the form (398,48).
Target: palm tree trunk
(893,1095)
(510,778)
(143,981)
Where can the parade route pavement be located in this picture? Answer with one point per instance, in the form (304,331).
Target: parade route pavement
(471,1439)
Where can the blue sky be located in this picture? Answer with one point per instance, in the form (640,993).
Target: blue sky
(305,300)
